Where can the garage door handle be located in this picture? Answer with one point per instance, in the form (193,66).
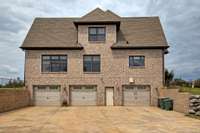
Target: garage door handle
(47,97)
(83,97)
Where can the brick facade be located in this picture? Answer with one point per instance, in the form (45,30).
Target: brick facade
(115,70)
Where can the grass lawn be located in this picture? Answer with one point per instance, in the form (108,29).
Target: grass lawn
(12,89)
(194,91)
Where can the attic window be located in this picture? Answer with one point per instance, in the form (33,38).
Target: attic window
(96,33)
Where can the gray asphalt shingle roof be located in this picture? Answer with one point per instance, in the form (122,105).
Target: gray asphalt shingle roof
(62,32)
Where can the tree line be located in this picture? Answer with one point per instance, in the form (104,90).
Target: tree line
(13,83)
(171,81)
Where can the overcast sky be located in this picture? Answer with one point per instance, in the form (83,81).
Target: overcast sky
(180,20)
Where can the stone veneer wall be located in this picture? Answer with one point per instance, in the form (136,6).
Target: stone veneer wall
(13,99)
(180,100)
(194,105)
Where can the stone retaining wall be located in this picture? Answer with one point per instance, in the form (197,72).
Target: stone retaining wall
(12,99)
(194,105)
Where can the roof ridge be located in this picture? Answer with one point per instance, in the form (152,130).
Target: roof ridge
(93,11)
(112,13)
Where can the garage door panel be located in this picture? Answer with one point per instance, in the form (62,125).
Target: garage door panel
(129,98)
(136,96)
(83,96)
(44,96)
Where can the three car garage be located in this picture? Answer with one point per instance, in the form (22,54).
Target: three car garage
(86,95)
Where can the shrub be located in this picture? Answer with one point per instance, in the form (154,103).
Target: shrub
(180,82)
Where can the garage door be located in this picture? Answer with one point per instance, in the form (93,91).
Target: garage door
(83,95)
(136,95)
(47,95)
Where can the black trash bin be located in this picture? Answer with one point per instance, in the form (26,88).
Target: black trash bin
(168,104)
(161,102)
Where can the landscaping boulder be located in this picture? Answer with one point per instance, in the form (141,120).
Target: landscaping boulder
(194,100)
(197,113)
(194,105)
(192,97)
(191,111)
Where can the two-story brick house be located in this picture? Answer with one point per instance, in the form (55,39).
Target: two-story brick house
(98,59)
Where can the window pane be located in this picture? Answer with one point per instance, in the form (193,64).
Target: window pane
(41,87)
(96,66)
(101,30)
(131,61)
(54,87)
(54,57)
(87,58)
(91,63)
(63,67)
(92,37)
(87,66)
(63,57)
(100,38)
(54,63)
(139,61)
(92,31)
(55,67)
(96,34)
(136,61)
(46,57)
(46,66)
(96,58)
(136,57)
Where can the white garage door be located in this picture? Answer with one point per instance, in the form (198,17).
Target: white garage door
(83,95)
(47,95)
(136,95)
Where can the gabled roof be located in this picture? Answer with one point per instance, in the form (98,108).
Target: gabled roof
(52,33)
(61,33)
(140,32)
(100,15)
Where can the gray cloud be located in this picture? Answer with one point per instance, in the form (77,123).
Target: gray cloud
(180,20)
(8,71)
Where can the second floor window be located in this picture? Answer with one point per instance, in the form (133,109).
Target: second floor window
(91,63)
(96,33)
(54,63)
(135,61)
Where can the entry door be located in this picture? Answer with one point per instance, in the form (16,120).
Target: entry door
(109,96)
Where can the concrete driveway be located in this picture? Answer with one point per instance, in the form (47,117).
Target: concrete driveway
(96,120)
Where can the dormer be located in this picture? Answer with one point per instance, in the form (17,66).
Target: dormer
(97,25)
